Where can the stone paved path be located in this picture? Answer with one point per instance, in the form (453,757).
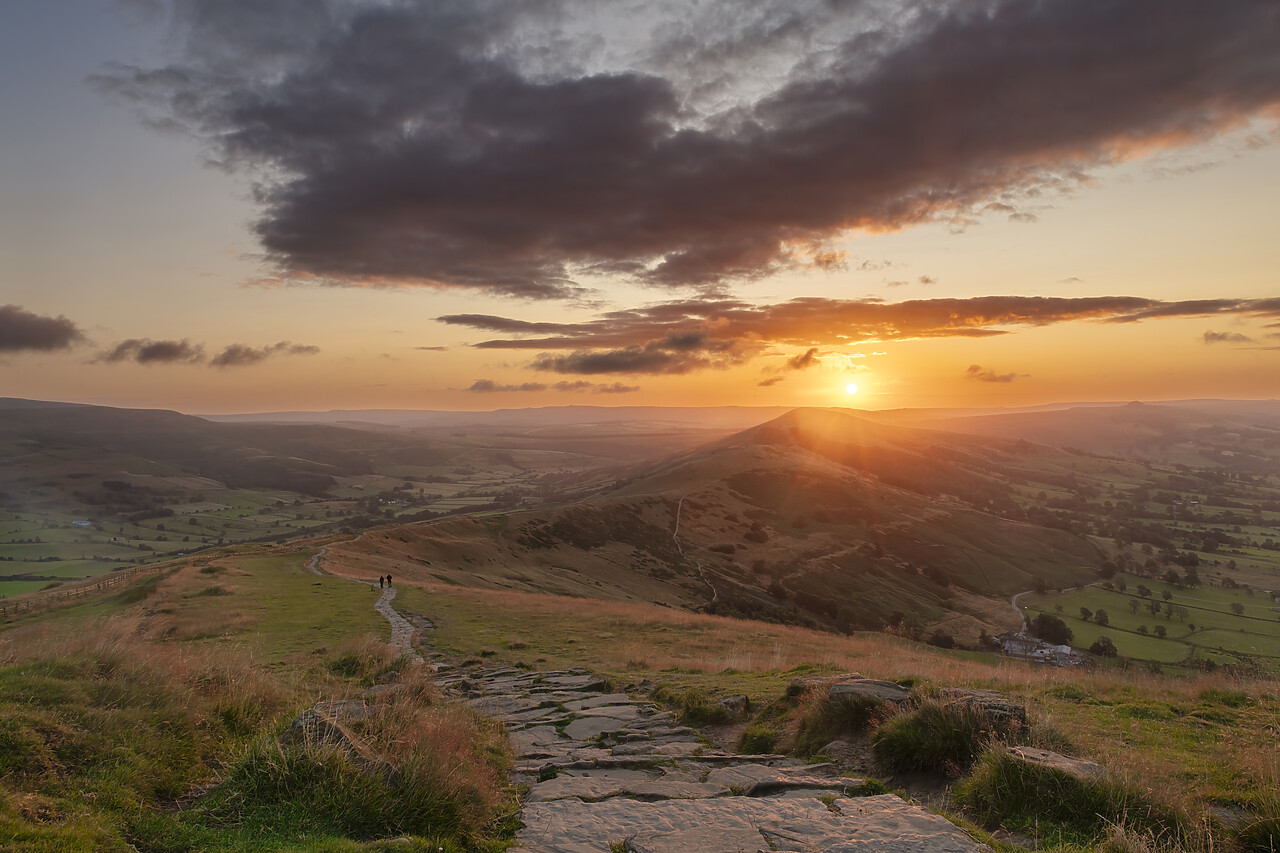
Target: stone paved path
(401,631)
(606,772)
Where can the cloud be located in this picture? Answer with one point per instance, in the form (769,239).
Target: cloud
(22,330)
(1226,338)
(147,351)
(239,355)
(523,147)
(927,279)
(719,324)
(805,360)
(689,335)
(488,386)
(978,373)
(772,380)
(432,349)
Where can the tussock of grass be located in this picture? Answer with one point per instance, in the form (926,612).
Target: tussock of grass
(368,661)
(1005,791)
(933,736)
(693,707)
(822,718)
(758,739)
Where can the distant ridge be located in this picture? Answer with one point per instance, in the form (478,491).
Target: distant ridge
(717,417)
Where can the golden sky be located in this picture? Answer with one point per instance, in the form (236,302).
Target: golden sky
(212,207)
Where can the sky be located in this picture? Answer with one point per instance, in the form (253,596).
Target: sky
(221,206)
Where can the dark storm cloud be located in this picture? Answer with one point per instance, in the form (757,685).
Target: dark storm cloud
(22,330)
(978,373)
(239,355)
(689,335)
(493,145)
(147,351)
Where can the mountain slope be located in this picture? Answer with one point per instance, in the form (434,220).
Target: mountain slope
(816,517)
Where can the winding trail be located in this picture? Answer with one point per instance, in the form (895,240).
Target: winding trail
(675,534)
(401,631)
(605,772)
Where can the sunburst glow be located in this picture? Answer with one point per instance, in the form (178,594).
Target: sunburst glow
(851,388)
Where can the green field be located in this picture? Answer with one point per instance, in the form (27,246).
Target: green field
(1202,625)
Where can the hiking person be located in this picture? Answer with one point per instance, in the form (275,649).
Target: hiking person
(388,581)
(379,581)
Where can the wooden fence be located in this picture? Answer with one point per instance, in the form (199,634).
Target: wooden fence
(82,589)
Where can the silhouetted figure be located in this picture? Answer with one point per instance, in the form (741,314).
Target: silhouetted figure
(388,581)
(380,581)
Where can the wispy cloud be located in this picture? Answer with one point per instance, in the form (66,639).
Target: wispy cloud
(978,373)
(22,330)
(147,351)
(505,146)
(488,386)
(689,335)
(1226,338)
(239,355)
(150,352)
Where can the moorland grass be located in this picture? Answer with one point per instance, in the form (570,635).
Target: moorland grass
(118,734)
(1051,804)
(934,737)
(820,718)
(1185,749)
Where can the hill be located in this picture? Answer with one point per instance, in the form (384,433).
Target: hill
(816,517)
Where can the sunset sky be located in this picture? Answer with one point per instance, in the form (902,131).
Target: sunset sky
(232,206)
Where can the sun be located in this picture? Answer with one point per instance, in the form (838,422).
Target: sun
(851,388)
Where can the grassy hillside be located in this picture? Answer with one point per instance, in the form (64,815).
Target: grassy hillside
(158,713)
(155,719)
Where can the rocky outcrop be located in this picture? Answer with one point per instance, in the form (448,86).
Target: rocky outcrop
(1078,768)
(1001,712)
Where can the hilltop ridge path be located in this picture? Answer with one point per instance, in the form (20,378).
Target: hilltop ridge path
(606,772)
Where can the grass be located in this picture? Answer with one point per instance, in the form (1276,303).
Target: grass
(1183,747)
(150,719)
(822,718)
(1049,803)
(936,737)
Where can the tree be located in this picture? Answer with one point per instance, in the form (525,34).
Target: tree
(1161,631)
(1133,605)
(1166,595)
(1101,617)
(1103,647)
(1143,591)
(1051,629)
(1086,614)
(1142,629)
(1237,608)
